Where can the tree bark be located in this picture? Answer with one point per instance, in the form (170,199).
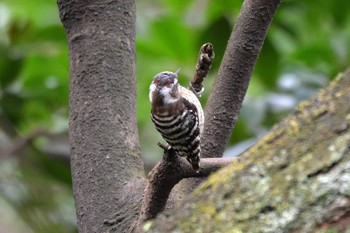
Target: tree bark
(165,175)
(105,154)
(296,179)
(241,54)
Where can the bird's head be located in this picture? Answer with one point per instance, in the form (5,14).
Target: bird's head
(164,88)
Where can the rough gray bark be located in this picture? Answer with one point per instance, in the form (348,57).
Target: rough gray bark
(295,179)
(243,49)
(105,155)
(166,174)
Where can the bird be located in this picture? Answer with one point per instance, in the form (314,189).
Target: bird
(177,115)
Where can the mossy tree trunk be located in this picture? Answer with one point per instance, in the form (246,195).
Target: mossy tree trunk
(295,179)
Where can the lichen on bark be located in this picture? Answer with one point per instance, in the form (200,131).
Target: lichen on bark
(295,179)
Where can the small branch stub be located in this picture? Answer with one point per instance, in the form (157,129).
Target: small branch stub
(205,60)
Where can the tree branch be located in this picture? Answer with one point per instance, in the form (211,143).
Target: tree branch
(166,174)
(17,146)
(21,143)
(227,95)
(204,62)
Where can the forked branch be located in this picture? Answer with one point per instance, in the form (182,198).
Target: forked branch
(166,174)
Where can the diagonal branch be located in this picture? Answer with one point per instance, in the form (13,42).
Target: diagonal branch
(20,143)
(166,174)
(241,54)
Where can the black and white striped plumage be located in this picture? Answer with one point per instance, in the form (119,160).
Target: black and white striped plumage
(178,116)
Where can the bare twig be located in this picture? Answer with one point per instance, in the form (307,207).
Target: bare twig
(20,143)
(205,60)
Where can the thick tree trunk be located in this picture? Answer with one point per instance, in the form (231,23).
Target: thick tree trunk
(296,179)
(105,154)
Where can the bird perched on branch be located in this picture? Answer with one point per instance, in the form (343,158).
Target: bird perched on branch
(178,115)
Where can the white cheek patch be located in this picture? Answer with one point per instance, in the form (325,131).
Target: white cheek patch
(166,93)
(152,89)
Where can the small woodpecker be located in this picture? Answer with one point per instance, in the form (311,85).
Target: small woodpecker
(178,116)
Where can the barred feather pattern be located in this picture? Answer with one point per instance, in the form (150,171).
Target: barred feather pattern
(179,120)
(182,132)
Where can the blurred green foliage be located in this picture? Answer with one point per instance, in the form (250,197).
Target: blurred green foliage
(308,41)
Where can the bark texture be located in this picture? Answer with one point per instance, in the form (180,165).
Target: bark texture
(296,179)
(105,155)
(166,174)
(241,54)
